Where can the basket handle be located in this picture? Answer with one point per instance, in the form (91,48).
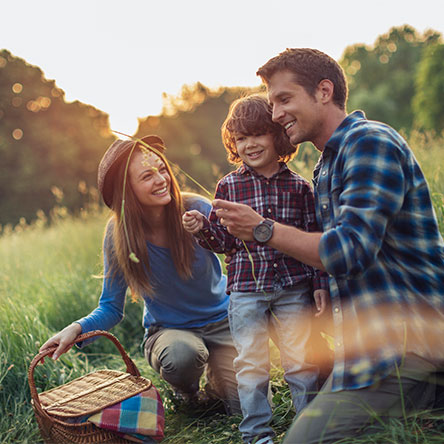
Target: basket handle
(130,366)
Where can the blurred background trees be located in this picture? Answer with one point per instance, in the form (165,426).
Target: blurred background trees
(382,77)
(50,149)
(428,102)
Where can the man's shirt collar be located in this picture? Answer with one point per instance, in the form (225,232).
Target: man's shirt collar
(337,137)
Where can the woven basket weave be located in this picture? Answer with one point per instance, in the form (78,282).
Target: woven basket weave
(55,408)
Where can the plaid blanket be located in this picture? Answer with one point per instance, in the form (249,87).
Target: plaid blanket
(141,416)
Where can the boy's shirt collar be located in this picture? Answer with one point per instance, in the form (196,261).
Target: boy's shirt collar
(245,169)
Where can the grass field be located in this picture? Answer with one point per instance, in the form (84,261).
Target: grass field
(50,276)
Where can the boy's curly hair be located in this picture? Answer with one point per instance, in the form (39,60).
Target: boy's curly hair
(251,115)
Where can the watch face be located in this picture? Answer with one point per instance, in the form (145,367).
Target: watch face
(262,232)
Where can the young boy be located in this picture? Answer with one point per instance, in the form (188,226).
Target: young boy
(270,292)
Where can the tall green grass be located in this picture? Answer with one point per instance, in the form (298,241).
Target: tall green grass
(50,276)
(46,281)
(429,151)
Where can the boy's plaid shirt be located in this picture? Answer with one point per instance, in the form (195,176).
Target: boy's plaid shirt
(285,197)
(382,249)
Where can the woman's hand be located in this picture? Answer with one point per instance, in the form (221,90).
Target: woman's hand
(193,221)
(63,339)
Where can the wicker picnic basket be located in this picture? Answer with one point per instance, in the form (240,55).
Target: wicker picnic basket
(58,409)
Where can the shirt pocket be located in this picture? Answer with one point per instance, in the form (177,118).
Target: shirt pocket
(290,206)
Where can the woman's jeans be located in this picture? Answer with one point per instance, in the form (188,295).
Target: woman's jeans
(285,316)
(182,356)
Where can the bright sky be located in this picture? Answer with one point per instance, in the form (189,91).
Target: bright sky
(121,55)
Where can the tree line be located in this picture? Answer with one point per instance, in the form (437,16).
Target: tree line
(50,148)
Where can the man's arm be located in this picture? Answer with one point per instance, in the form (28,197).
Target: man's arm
(240,220)
(296,243)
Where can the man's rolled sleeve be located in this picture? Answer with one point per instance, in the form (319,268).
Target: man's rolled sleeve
(339,255)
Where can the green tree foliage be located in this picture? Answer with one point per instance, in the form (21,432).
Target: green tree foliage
(382,77)
(428,103)
(190,126)
(47,146)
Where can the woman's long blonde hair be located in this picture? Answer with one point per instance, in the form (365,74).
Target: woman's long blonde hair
(181,243)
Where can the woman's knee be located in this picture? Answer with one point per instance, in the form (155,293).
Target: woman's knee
(182,358)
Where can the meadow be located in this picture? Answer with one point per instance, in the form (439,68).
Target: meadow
(50,275)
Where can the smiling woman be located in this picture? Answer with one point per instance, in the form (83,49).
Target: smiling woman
(181,284)
(129,175)
(150,180)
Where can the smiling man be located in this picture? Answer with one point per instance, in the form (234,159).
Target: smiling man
(380,245)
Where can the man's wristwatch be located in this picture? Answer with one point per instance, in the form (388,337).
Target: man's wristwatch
(262,233)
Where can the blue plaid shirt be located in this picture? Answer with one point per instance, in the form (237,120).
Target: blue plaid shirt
(382,249)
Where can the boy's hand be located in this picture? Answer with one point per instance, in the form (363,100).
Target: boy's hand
(321,300)
(193,221)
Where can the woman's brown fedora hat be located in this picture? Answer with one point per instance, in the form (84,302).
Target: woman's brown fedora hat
(109,162)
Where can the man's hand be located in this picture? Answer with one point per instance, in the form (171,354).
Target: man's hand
(239,219)
(321,298)
(193,221)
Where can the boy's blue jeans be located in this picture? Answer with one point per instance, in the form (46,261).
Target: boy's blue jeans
(285,316)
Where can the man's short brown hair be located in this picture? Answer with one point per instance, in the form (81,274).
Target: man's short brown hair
(309,67)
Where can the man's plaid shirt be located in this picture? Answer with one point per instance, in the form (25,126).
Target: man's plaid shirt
(382,249)
(285,197)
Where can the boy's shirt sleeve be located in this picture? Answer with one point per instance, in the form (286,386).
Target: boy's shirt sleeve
(214,236)
(320,280)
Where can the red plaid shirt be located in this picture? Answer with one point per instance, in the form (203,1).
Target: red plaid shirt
(285,197)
